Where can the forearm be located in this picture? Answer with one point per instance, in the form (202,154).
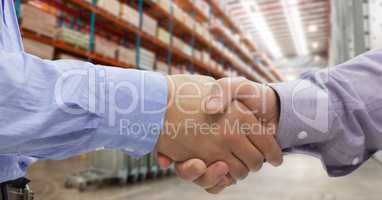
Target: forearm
(335,113)
(55,109)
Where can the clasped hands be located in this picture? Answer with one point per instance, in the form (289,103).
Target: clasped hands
(216,132)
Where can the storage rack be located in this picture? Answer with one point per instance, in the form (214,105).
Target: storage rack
(99,18)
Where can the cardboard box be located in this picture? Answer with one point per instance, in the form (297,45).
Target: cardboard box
(162,67)
(38,49)
(74,37)
(38,21)
(163,36)
(147,59)
(126,55)
(164,4)
(111,6)
(129,15)
(178,43)
(68,57)
(105,47)
(149,25)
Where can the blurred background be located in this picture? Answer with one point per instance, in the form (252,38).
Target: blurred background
(263,40)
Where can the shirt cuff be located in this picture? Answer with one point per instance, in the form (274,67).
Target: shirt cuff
(134,110)
(304,113)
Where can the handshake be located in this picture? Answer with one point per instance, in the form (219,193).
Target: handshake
(229,125)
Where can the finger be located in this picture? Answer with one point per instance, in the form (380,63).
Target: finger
(218,188)
(215,173)
(248,154)
(267,144)
(190,170)
(240,144)
(237,169)
(264,143)
(163,161)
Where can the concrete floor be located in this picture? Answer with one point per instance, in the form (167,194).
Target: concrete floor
(300,178)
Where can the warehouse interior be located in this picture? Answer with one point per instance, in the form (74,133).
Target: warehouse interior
(267,41)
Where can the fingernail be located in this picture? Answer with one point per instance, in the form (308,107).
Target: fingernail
(222,183)
(213,104)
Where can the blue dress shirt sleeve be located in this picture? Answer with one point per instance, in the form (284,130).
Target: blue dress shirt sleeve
(56,109)
(334,114)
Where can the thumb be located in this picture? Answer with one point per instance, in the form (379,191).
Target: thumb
(190,170)
(222,94)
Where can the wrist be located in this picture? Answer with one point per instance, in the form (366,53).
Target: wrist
(276,104)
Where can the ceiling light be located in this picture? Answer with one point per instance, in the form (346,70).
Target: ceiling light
(312,28)
(315,45)
(291,77)
(295,24)
(317,58)
(262,27)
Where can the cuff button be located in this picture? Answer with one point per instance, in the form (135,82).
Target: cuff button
(355,161)
(302,135)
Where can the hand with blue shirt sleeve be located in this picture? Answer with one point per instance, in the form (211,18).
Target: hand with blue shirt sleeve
(58,109)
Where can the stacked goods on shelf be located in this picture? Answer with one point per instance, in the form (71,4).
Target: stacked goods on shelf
(178,13)
(202,6)
(38,49)
(206,57)
(212,65)
(126,55)
(187,50)
(177,43)
(114,166)
(76,38)
(197,55)
(105,47)
(185,70)
(38,21)
(111,6)
(235,40)
(202,30)
(67,57)
(188,21)
(129,15)
(165,5)
(162,67)
(149,25)
(175,70)
(164,36)
(147,60)
(225,9)
(182,69)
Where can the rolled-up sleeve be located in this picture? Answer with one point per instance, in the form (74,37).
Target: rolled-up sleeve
(334,114)
(56,109)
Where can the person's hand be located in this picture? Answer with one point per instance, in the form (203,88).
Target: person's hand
(196,171)
(262,101)
(189,133)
